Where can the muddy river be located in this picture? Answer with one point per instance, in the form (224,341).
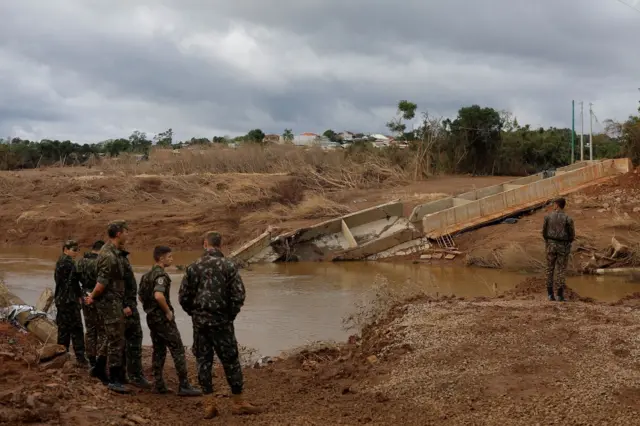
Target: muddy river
(289,305)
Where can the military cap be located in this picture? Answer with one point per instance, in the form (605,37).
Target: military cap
(70,244)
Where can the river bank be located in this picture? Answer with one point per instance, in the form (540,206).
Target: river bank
(513,359)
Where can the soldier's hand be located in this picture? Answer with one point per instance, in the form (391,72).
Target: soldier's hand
(127,311)
(169,316)
(88,300)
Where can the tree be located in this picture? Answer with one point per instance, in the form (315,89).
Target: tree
(139,142)
(478,130)
(406,112)
(287,135)
(429,134)
(255,135)
(331,135)
(164,139)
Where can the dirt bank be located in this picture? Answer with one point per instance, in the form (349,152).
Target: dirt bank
(45,206)
(611,209)
(513,360)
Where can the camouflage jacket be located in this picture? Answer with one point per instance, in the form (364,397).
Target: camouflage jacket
(87,271)
(111,272)
(212,291)
(67,288)
(130,283)
(151,282)
(558,228)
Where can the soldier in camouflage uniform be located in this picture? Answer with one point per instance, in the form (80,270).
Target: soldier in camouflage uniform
(132,355)
(154,293)
(212,294)
(87,275)
(558,232)
(68,300)
(109,298)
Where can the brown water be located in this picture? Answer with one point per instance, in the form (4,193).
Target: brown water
(291,304)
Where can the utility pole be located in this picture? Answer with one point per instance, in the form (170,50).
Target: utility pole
(581,131)
(573,131)
(590,131)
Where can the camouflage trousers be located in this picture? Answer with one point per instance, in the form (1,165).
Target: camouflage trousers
(69,322)
(165,334)
(111,315)
(221,340)
(94,338)
(132,351)
(557,260)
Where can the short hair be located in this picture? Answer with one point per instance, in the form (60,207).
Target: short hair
(160,251)
(561,202)
(115,227)
(70,244)
(97,245)
(213,238)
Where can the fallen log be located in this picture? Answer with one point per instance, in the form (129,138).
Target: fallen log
(39,325)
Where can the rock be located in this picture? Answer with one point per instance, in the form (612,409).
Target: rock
(262,362)
(636,209)
(32,400)
(50,351)
(309,365)
(56,363)
(372,359)
(137,419)
(605,205)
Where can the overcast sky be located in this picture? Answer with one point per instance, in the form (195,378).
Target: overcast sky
(90,70)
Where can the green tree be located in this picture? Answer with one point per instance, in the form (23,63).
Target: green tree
(139,142)
(331,135)
(164,139)
(287,135)
(406,112)
(255,135)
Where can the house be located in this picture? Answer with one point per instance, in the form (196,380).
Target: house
(306,139)
(272,138)
(346,136)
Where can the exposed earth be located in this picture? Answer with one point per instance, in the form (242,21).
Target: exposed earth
(515,360)
(46,206)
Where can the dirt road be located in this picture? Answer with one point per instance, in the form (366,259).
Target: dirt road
(516,360)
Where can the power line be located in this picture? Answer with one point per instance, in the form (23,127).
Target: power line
(632,6)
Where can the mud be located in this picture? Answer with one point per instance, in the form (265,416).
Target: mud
(429,360)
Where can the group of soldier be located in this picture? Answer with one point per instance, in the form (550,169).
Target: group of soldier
(102,286)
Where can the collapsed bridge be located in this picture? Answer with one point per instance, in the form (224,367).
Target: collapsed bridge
(384,231)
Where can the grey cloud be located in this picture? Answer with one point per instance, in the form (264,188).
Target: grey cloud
(530,57)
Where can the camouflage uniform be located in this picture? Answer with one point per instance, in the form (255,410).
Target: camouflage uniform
(212,294)
(111,274)
(67,299)
(132,353)
(164,333)
(87,272)
(558,232)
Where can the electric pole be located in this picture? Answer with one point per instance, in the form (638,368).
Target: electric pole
(590,131)
(573,131)
(581,131)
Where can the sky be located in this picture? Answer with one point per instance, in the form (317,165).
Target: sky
(90,70)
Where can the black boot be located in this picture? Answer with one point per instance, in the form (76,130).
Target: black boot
(159,386)
(99,371)
(115,384)
(140,381)
(561,294)
(187,390)
(550,293)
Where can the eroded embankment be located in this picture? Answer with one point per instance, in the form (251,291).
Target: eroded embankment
(517,360)
(601,213)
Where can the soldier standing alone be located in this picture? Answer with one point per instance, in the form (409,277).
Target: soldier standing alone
(212,294)
(87,275)
(558,232)
(154,293)
(68,300)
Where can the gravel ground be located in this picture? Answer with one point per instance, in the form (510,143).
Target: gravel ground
(518,362)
